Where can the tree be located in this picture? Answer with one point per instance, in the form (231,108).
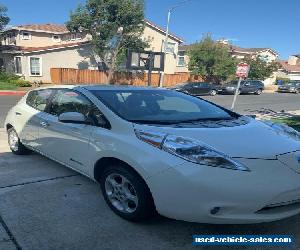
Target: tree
(211,60)
(260,69)
(4,19)
(115,27)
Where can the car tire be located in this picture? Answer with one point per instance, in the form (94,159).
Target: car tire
(258,92)
(126,193)
(213,92)
(15,144)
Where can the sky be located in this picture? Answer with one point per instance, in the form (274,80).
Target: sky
(249,23)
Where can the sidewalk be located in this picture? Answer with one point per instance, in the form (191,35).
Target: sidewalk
(267,114)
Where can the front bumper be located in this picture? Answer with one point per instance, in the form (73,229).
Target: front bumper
(286,91)
(192,192)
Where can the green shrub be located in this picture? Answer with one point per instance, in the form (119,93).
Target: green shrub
(4,76)
(20,83)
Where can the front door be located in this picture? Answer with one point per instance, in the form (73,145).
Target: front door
(67,142)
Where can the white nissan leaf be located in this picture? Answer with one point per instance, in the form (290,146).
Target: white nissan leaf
(157,150)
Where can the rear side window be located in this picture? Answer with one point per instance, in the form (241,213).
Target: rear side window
(38,99)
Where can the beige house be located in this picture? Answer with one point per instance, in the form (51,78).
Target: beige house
(32,50)
(290,69)
(267,54)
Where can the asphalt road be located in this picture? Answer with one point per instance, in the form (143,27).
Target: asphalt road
(246,104)
(44,205)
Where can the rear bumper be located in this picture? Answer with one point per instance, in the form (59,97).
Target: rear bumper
(196,193)
(286,91)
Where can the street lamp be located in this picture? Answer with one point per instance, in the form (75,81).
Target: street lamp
(167,34)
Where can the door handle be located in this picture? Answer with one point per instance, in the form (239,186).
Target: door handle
(18,113)
(44,124)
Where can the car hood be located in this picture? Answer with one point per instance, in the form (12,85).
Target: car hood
(252,140)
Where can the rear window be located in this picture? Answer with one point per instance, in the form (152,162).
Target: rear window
(38,99)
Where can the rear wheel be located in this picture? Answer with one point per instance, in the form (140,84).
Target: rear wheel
(126,193)
(258,92)
(15,144)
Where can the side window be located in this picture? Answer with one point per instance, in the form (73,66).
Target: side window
(71,101)
(38,99)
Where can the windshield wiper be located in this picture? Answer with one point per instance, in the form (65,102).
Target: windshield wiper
(170,122)
(206,119)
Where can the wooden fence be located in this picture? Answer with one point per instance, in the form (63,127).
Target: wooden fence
(79,76)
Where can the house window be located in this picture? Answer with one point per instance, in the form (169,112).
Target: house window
(73,37)
(18,65)
(181,59)
(78,36)
(170,48)
(56,38)
(35,65)
(26,35)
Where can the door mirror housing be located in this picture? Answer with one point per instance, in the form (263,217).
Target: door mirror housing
(73,117)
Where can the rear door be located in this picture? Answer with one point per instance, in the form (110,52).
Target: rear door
(33,114)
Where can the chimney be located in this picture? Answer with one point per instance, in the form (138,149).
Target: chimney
(293,60)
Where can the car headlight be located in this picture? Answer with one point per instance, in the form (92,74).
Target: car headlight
(283,129)
(190,150)
(292,88)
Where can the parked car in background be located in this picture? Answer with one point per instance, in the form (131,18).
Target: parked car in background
(291,87)
(198,88)
(247,87)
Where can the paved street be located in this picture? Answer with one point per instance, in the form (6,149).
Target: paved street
(44,205)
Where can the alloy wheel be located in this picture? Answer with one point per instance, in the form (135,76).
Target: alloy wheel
(13,140)
(121,193)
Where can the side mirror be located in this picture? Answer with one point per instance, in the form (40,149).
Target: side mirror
(73,117)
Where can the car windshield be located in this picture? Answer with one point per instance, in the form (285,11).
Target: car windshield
(159,106)
(292,84)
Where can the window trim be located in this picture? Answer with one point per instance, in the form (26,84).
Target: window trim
(19,74)
(41,66)
(25,38)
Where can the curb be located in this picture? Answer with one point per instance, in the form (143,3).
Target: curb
(12,93)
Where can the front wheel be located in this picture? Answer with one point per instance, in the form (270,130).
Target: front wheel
(213,92)
(15,144)
(126,193)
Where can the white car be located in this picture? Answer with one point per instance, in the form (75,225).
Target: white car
(157,150)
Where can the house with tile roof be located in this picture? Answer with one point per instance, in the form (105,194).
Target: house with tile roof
(267,54)
(32,50)
(290,68)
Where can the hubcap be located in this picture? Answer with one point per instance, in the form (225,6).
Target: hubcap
(121,193)
(13,141)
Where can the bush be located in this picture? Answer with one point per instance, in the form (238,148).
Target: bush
(4,76)
(20,83)
(282,80)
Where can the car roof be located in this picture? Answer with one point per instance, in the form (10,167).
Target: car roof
(98,87)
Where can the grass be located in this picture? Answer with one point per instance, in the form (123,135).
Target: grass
(8,86)
(293,122)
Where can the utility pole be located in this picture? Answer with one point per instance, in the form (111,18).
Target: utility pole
(165,44)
